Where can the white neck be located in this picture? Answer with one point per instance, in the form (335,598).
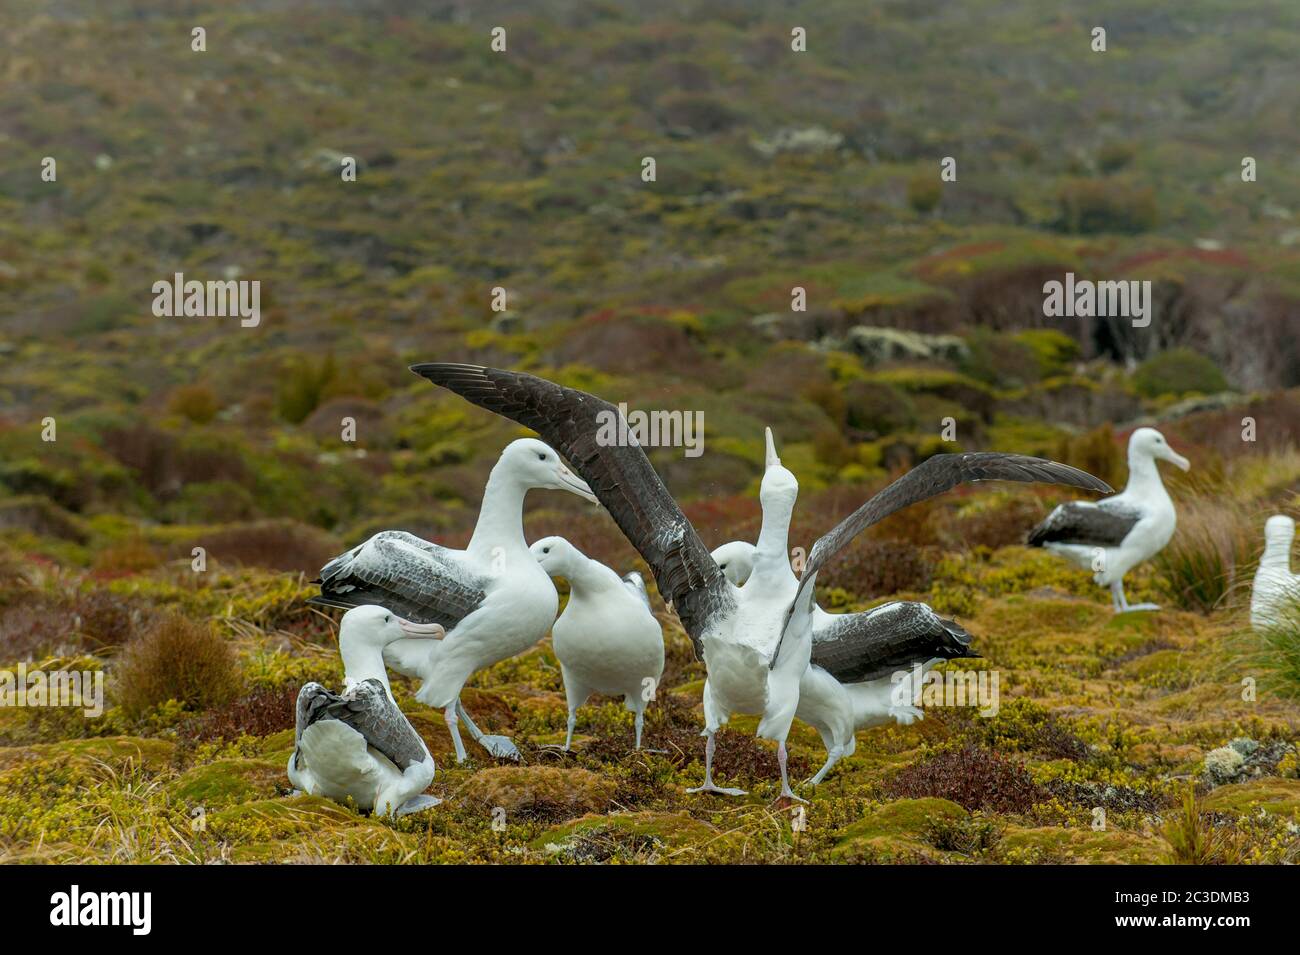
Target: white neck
(771,554)
(1277,556)
(501,517)
(362,661)
(1143,475)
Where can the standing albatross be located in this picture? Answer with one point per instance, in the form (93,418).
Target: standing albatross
(734,633)
(1275,585)
(607,640)
(359,746)
(477,606)
(1112,536)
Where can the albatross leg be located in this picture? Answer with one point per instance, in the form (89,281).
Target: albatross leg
(1125,606)
(708,786)
(786,791)
(453,725)
(1117,596)
(832,757)
(502,747)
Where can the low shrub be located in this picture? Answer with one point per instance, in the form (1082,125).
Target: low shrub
(973,777)
(176,659)
(1179,371)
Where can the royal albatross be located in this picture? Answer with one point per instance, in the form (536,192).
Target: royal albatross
(850,683)
(1274,586)
(477,606)
(1112,536)
(359,745)
(607,640)
(739,634)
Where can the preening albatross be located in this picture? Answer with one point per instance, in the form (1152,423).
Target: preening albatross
(733,632)
(607,640)
(1112,536)
(1274,586)
(359,745)
(477,606)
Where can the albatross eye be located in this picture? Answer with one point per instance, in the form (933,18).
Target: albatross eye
(546,550)
(541,456)
(387,617)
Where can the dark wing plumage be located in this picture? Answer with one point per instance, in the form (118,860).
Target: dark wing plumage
(368,710)
(854,647)
(412,577)
(312,702)
(932,477)
(1081,522)
(620,476)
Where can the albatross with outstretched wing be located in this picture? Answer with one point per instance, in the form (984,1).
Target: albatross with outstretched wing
(738,636)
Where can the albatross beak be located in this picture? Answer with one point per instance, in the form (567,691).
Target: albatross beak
(413,629)
(571,482)
(1176,458)
(772,459)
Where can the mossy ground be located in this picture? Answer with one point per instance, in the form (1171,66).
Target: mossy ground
(1109,716)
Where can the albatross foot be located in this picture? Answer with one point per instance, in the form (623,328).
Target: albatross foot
(416,804)
(720,790)
(1132,607)
(785,800)
(502,747)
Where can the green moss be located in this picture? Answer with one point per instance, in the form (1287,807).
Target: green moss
(227,781)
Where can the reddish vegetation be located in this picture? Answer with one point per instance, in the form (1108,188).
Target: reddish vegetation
(973,777)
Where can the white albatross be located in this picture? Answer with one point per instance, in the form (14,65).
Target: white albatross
(755,642)
(1112,536)
(1275,585)
(607,640)
(863,665)
(477,606)
(359,746)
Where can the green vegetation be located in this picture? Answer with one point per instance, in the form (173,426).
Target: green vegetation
(272,448)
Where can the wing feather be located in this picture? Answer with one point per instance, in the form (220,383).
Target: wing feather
(620,475)
(854,647)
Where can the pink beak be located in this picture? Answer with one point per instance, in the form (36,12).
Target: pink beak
(412,629)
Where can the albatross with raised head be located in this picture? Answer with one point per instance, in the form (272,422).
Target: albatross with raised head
(1112,536)
(358,745)
(474,607)
(850,683)
(607,640)
(756,641)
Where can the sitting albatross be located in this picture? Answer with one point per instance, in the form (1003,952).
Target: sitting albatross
(1274,585)
(752,641)
(477,606)
(850,682)
(1112,536)
(359,745)
(607,640)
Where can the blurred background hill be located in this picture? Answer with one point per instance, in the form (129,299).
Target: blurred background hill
(521,170)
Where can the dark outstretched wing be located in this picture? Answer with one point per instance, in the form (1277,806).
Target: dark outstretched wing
(412,577)
(932,477)
(1083,522)
(621,476)
(853,647)
(368,709)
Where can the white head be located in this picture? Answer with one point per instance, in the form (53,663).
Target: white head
(780,488)
(1149,443)
(736,560)
(536,464)
(1279,532)
(374,626)
(556,555)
